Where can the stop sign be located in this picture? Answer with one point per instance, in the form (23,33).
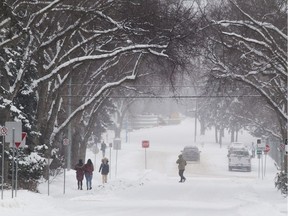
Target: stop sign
(145,144)
(267,148)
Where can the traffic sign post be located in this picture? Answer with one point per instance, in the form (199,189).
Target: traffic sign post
(65,143)
(116,146)
(48,162)
(260,145)
(267,149)
(145,145)
(17,137)
(3,133)
(19,145)
(12,132)
(13,161)
(110,158)
(23,141)
(260,149)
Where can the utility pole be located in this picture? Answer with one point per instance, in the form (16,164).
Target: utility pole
(69,126)
(196,113)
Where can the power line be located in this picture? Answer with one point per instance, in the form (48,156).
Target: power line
(154,86)
(171,97)
(187,96)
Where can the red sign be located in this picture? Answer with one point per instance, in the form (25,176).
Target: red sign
(65,141)
(23,142)
(17,144)
(24,134)
(3,131)
(267,148)
(145,144)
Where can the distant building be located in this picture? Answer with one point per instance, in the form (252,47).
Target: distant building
(144,121)
(152,120)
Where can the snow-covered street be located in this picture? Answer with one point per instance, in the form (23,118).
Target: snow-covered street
(152,83)
(210,189)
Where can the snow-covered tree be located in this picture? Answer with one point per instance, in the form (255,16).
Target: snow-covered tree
(61,59)
(248,45)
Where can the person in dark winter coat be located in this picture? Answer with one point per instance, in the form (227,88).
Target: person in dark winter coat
(104,169)
(79,167)
(103,148)
(181,167)
(88,172)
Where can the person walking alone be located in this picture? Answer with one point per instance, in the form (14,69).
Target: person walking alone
(181,167)
(88,172)
(79,167)
(104,169)
(103,148)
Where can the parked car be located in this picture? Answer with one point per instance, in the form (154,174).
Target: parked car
(237,145)
(239,158)
(191,153)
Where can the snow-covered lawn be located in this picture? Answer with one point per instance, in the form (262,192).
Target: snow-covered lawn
(132,190)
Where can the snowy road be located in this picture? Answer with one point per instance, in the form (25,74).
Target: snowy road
(210,189)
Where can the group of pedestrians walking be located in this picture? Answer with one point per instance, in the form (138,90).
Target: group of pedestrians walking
(88,168)
(84,170)
(87,171)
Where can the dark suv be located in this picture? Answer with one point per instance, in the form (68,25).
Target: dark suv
(191,153)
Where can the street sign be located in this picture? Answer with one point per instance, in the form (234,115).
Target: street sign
(17,144)
(260,145)
(3,131)
(23,141)
(66,141)
(145,144)
(267,149)
(117,144)
(17,126)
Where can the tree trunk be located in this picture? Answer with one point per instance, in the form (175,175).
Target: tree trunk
(220,136)
(232,135)
(202,127)
(117,132)
(216,135)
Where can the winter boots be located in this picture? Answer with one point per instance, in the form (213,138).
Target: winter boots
(183,179)
(79,185)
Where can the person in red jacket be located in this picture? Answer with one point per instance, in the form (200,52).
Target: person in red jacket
(79,167)
(88,172)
